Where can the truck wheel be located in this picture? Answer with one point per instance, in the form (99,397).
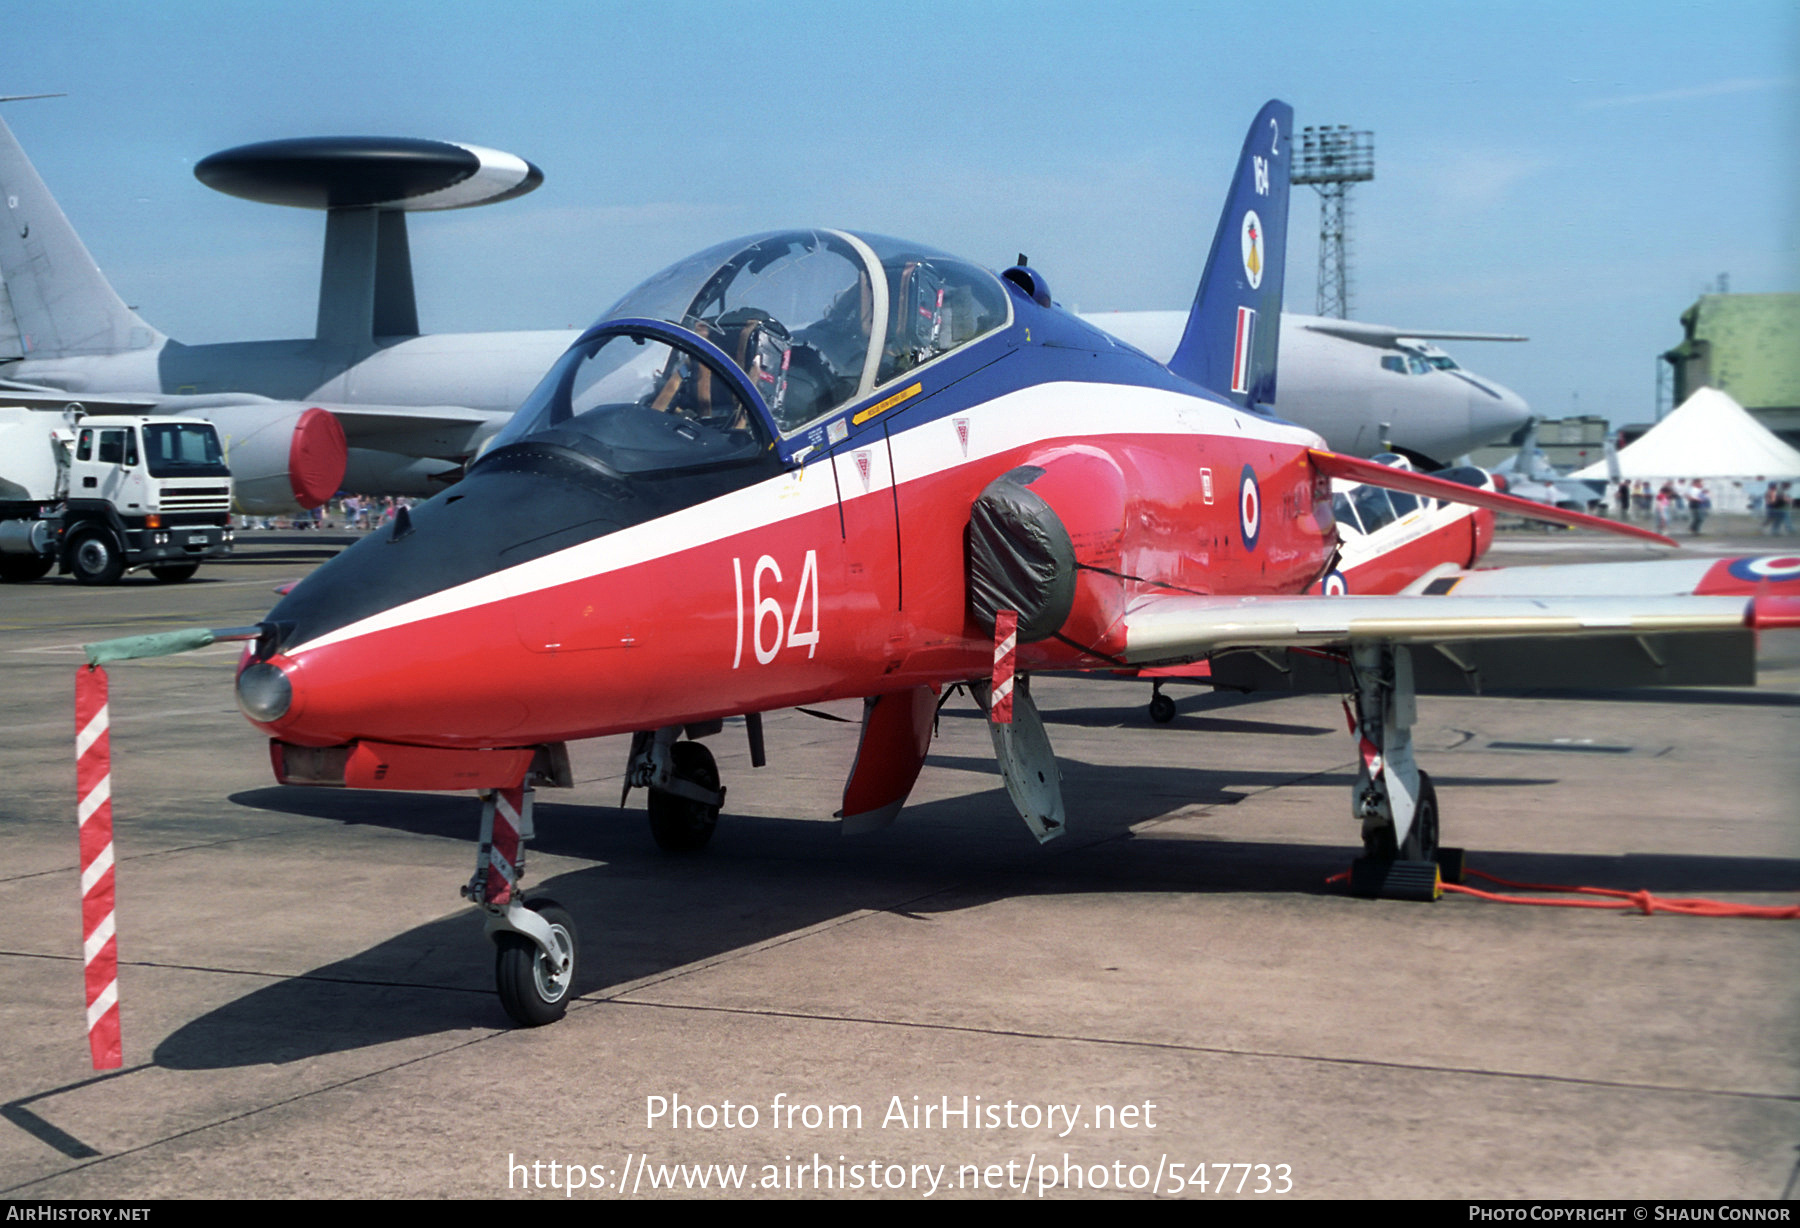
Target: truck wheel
(17,569)
(96,559)
(174,573)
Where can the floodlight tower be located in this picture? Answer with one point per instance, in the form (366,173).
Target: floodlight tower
(1331,159)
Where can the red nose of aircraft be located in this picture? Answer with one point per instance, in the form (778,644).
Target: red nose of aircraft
(424,631)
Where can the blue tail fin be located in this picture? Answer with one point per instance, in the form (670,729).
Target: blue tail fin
(1234,329)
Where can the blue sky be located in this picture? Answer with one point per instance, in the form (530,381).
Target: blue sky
(1575,172)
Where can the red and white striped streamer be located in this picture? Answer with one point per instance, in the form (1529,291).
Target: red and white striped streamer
(93,792)
(1006,645)
(503,853)
(1371,753)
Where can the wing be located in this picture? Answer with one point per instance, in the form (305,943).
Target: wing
(37,396)
(1374,473)
(439,432)
(1680,622)
(1382,336)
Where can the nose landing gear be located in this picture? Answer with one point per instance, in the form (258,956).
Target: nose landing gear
(533,983)
(534,960)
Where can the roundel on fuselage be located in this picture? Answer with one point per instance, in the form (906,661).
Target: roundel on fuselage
(1249,508)
(1766,568)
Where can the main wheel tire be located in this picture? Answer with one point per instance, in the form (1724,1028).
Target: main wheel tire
(96,559)
(1162,708)
(1379,845)
(19,568)
(680,824)
(531,990)
(174,573)
(1422,840)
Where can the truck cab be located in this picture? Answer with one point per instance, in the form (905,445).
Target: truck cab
(129,492)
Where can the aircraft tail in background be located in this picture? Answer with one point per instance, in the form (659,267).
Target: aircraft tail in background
(61,304)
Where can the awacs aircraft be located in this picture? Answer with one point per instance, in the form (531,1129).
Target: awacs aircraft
(369,404)
(814,465)
(1366,387)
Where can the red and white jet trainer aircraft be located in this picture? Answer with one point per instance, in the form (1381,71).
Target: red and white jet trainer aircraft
(815,465)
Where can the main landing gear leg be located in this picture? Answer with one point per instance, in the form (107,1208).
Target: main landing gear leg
(1392,798)
(683,779)
(534,959)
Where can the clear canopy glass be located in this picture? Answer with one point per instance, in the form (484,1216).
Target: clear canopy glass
(640,406)
(814,319)
(839,313)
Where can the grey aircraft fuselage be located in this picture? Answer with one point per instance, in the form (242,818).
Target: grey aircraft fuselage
(469,382)
(1365,388)
(490,372)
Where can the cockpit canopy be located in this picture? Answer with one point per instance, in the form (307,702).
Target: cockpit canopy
(845,313)
(810,319)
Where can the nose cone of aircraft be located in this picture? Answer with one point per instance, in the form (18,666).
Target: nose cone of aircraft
(371,640)
(1495,411)
(264,692)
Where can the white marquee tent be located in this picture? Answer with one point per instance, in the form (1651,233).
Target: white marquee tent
(1713,438)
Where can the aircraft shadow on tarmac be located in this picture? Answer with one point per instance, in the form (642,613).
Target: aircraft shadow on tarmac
(643,912)
(1688,696)
(1133,716)
(1195,712)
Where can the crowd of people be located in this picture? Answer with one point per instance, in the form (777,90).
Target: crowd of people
(355,512)
(1676,498)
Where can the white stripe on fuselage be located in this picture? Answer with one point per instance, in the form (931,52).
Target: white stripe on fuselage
(1045,413)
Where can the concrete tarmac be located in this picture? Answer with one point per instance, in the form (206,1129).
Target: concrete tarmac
(944,1008)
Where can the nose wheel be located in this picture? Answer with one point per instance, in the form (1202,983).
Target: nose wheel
(534,943)
(534,983)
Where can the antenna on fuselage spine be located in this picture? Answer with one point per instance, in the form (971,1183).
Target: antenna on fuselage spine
(367,186)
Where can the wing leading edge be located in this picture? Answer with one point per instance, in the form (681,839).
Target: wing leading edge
(1373,473)
(1295,643)
(1161,629)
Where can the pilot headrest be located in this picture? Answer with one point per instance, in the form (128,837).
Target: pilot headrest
(742,316)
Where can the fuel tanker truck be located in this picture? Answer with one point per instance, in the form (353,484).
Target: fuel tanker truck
(97,496)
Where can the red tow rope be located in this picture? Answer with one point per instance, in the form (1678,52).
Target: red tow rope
(1643,901)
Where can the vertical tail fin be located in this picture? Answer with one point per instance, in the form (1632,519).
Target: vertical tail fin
(63,304)
(1526,463)
(1234,329)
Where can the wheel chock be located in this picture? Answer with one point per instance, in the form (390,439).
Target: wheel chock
(1450,865)
(1395,880)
